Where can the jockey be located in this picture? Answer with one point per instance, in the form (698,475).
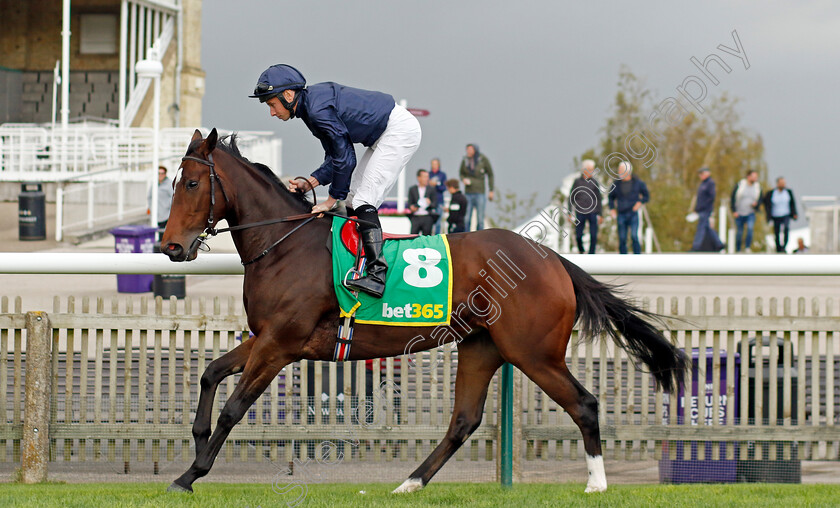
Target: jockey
(339,116)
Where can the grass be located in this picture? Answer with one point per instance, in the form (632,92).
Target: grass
(450,494)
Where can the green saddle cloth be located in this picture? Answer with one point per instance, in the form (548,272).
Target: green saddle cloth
(418,286)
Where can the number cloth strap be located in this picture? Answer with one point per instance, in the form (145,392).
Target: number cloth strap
(418,288)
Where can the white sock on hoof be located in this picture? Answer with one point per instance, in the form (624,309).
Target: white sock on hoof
(410,485)
(597,477)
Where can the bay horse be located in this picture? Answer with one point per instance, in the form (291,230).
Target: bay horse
(524,314)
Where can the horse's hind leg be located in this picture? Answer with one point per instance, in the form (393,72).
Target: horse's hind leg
(220,368)
(262,366)
(556,380)
(478,360)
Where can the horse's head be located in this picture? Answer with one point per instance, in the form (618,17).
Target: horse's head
(198,202)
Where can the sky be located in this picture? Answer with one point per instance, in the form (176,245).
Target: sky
(531,82)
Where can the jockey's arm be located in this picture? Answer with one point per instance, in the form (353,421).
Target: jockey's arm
(340,159)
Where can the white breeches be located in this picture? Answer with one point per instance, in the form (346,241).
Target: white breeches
(381,164)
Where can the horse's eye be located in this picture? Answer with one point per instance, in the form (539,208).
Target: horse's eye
(192,184)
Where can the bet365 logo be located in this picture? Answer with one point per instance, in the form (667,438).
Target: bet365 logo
(413,310)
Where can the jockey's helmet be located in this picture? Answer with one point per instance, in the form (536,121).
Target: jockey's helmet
(277,78)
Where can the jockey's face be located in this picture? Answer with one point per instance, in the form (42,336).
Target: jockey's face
(276,108)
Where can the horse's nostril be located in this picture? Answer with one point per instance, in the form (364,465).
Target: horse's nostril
(173,250)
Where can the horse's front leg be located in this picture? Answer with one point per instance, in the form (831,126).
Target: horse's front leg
(228,364)
(262,367)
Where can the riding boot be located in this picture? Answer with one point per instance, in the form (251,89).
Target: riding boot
(373,283)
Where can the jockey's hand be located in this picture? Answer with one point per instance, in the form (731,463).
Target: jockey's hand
(300,186)
(326,206)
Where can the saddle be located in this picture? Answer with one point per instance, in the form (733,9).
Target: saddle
(350,238)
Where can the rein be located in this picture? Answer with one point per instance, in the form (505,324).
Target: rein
(211,231)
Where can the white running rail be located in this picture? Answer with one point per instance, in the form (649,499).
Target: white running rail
(601,264)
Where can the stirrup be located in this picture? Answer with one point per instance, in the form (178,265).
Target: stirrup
(357,275)
(370,291)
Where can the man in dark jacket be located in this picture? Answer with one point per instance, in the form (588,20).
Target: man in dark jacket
(625,199)
(339,116)
(475,167)
(780,206)
(437,179)
(585,203)
(457,207)
(704,207)
(422,201)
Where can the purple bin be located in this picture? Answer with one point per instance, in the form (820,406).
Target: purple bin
(130,240)
(699,411)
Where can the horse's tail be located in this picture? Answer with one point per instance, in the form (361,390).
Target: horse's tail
(600,310)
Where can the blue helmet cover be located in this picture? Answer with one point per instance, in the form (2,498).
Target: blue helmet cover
(278,77)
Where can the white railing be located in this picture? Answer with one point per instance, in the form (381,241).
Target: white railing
(37,153)
(95,164)
(148,27)
(85,207)
(602,264)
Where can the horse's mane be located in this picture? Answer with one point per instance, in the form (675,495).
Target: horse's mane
(228,145)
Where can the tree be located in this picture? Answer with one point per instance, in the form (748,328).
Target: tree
(511,210)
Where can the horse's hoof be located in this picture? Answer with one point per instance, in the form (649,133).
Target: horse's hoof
(177,488)
(595,488)
(410,485)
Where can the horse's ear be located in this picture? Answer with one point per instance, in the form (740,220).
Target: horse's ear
(210,142)
(196,136)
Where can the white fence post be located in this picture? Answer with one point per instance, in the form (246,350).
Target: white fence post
(90,204)
(120,197)
(59,213)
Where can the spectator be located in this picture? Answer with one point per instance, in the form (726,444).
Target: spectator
(422,201)
(164,191)
(437,179)
(474,168)
(745,201)
(585,203)
(625,199)
(706,238)
(801,248)
(457,207)
(780,206)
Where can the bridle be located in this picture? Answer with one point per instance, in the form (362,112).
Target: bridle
(209,230)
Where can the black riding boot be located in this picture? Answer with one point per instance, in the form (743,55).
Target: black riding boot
(373,283)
